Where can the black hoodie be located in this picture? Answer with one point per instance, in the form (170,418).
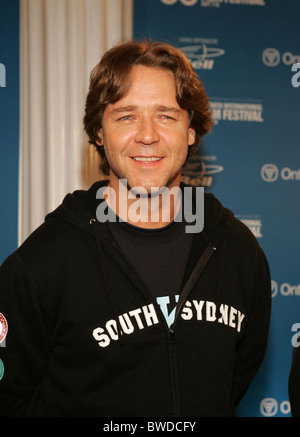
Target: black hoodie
(85,337)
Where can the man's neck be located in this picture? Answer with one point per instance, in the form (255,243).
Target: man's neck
(152,211)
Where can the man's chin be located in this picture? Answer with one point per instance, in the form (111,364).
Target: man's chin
(144,188)
(146,191)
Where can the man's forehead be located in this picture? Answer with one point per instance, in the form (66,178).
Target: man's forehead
(148,85)
(147,75)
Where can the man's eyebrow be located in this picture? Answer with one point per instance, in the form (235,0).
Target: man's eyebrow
(123,109)
(161,108)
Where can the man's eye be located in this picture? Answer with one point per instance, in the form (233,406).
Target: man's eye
(125,117)
(167,117)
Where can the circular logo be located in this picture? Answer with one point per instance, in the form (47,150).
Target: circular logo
(268,407)
(271,57)
(3,327)
(1,369)
(269,172)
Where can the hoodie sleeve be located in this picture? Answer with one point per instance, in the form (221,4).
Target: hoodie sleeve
(251,350)
(24,351)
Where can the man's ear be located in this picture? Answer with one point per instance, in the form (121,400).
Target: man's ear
(99,141)
(191,136)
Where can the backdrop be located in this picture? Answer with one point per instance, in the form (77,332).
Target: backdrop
(243,51)
(9,125)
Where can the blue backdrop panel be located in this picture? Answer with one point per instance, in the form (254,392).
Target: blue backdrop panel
(243,51)
(9,125)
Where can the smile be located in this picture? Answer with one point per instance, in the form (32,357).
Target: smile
(146,159)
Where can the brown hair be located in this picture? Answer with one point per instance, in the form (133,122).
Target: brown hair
(110,81)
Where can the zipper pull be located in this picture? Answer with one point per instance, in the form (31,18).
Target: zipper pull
(172,334)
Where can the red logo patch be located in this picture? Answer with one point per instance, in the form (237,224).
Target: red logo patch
(3,327)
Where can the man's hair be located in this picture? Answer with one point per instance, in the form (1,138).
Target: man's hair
(110,81)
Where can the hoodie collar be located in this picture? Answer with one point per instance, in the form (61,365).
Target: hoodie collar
(79,208)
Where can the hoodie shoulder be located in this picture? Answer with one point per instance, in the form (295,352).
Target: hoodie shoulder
(65,229)
(221,221)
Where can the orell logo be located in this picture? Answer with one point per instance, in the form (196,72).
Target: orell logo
(199,170)
(201,56)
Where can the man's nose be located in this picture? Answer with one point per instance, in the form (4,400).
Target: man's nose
(147,132)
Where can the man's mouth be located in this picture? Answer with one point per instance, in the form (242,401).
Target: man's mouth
(146,158)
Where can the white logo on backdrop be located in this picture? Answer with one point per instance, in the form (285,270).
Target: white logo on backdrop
(286,289)
(271,57)
(200,55)
(270,173)
(252,223)
(269,407)
(201,51)
(199,170)
(237,111)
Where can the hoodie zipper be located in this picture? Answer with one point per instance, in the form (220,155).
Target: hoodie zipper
(200,266)
(198,269)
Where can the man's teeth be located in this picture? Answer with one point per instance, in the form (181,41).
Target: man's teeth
(139,158)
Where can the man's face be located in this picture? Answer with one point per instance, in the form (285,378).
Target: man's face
(146,134)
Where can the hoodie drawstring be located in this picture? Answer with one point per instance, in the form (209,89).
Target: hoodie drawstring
(221,267)
(220,271)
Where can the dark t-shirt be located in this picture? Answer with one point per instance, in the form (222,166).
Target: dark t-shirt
(159,257)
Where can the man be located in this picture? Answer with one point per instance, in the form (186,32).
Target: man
(113,311)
